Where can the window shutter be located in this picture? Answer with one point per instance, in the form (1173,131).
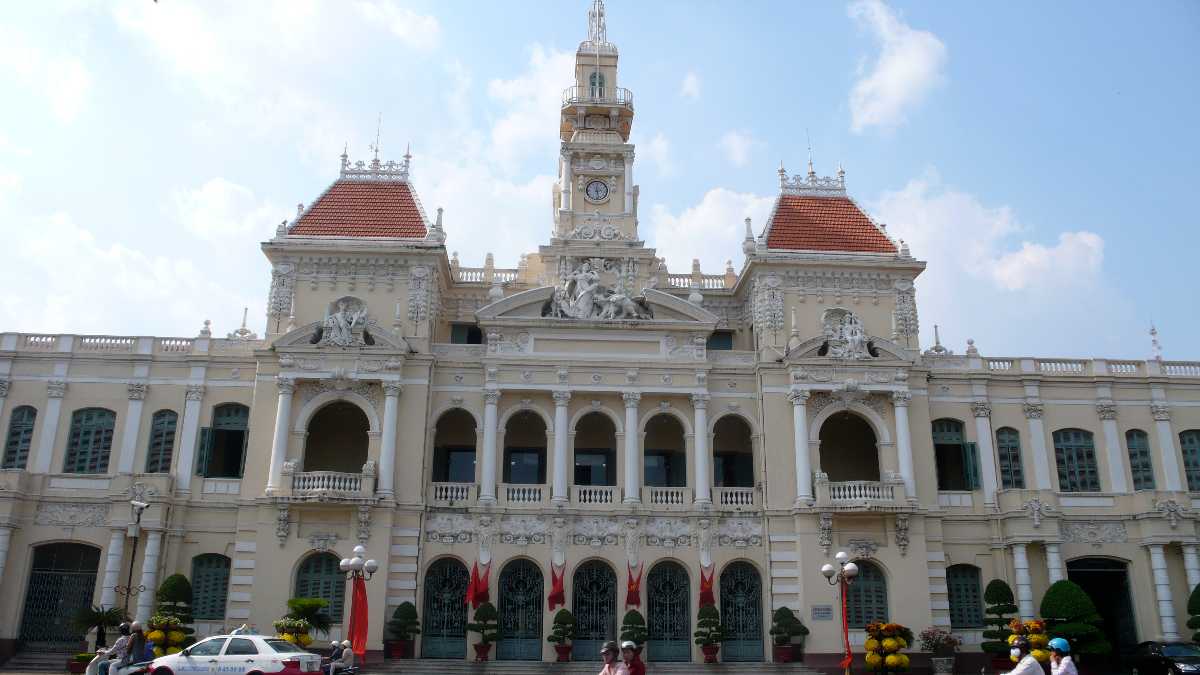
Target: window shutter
(205,450)
(971,466)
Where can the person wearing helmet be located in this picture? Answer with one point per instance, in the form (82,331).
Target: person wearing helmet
(344,660)
(1061,662)
(1026,664)
(632,661)
(119,649)
(335,652)
(137,645)
(608,654)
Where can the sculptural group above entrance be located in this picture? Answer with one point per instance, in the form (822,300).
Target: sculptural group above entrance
(580,295)
(845,335)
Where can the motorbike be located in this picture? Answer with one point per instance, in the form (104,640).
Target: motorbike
(93,666)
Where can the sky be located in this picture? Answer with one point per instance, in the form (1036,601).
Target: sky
(1041,157)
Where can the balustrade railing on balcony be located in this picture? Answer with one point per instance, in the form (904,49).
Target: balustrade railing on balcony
(1062,366)
(451,493)
(39,343)
(861,490)
(1124,367)
(599,95)
(595,494)
(734,497)
(523,494)
(313,483)
(1185,368)
(667,496)
(175,345)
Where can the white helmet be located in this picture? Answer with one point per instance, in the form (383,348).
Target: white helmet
(135,626)
(346,644)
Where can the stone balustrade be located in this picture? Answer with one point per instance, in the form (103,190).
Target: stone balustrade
(735,497)
(595,494)
(667,496)
(331,485)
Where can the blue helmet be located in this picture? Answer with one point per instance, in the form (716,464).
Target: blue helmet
(1059,645)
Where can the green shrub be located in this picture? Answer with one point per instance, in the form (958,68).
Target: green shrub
(99,618)
(633,627)
(564,628)
(1193,608)
(1069,613)
(85,657)
(785,625)
(709,630)
(311,610)
(999,598)
(486,623)
(404,624)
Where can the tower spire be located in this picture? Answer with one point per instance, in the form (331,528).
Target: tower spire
(597,28)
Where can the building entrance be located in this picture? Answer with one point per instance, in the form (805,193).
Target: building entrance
(1106,581)
(61,582)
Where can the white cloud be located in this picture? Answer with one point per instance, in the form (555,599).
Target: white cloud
(738,145)
(909,65)
(712,230)
(1074,259)
(60,78)
(219,209)
(690,87)
(658,151)
(533,100)
(416,30)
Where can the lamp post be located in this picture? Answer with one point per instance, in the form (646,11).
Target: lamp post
(358,569)
(135,530)
(842,576)
(358,566)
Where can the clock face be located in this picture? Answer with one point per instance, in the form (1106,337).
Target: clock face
(597,190)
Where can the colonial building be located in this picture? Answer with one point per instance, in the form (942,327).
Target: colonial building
(593,420)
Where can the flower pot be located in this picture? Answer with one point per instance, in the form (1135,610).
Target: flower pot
(74,666)
(400,649)
(710,652)
(798,652)
(481,651)
(563,651)
(783,653)
(942,665)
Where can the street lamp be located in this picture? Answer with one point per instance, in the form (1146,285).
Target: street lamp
(358,569)
(358,566)
(842,576)
(135,530)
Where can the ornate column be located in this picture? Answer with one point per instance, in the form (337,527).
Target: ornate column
(804,489)
(387,446)
(1166,444)
(4,384)
(633,488)
(1024,583)
(987,459)
(5,540)
(1054,564)
(55,391)
(283,418)
(1162,591)
(149,580)
(1106,410)
(187,438)
(487,478)
(133,423)
(1037,440)
(703,474)
(900,401)
(629,182)
(568,186)
(1191,564)
(558,493)
(112,568)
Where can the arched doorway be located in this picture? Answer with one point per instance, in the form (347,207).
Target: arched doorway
(62,580)
(848,448)
(668,603)
(520,591)
(665,456)
(319,576)
(595,451)
(337,439)
(867,599)
(594,602)
(733,453)
(454,448)
(525,449)
(1106,581)
(741,613)
(444,624)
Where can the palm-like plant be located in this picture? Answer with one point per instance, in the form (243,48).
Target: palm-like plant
(311,610)
(99,618)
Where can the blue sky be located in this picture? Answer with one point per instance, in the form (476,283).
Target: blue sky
(1040,156)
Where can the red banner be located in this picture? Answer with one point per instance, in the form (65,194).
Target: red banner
(557,595)
(706,585)
(633,587)
(845,628)
(358,618)
(477,588)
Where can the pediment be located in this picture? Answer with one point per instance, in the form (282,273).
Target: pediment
(874,349)
(369,335)
(653,309)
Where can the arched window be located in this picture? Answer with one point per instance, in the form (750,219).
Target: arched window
(319,577)
(966,598)
(90,442)
(595,450)
(223,445)
(525,449)
(20,437)
(454,448)
(337,439)
(733,453)
(1008,451)
(210,586)
(867,600)
(1075,454)
(957,460)
(1140,464)
(664,463)
(1189,442)
(162,441)
(848,448)
(596,81)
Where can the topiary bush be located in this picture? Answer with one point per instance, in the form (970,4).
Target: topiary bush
(633,627)
(404,624)
(709,630)
(785,625)
(486,623)
(1069,613)
(174,598)
(1000,605)
(311,610)
(1193,608)
(563,630)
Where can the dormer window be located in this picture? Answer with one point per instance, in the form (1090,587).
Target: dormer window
(596,82)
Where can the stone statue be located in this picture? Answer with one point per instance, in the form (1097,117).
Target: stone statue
(582,296)
(704,535)
(339,326)
(581,290)
(845,335)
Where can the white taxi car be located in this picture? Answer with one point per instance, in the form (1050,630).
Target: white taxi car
(238,655)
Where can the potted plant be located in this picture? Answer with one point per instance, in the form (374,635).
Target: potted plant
(1034,631)
(403,626)
(79,662)
(633,629)
(99,618)
(784,626)
(486,623)
(883,645)
(562,633)
(709,632)
(942,644)
(311,610)
(1000,606)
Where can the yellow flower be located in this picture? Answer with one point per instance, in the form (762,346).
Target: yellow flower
(175,637)
(305,640)
(892,660)
(874,660)
(901,643)
(156,636)
(1041,655)
(174,650)
(158,651)
(872,645)
(890,645)
(903,660)
(1014,659)
(289,637)
(1012,639)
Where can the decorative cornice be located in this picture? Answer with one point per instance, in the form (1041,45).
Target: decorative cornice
(136,390)
(1106,409)
(376,170)
(561,397)
(1160,412)
(812,185)
(56,389)
(799,397)
(981,408)
(1034,411)
(901,399)
(392,388)
(632,398)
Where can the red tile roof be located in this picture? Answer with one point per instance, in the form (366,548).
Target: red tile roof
(352,208)
(824,224)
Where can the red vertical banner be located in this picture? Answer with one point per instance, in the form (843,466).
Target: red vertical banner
(633,587)
(358,618)
(477,587)
(845,627)
(557,595)
(706,585)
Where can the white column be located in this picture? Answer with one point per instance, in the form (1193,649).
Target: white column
(487,477)
(283,418)
(1024,583)
(1037,440)
(633,489)
(562,434)
(804,490)
(628,183)
(1054,564)
(1107,411)
(703,474)
(387,446)
(184,466)
(55,390)
(4,384)
(5,540)
(1162,590)
(900,401)
(133,424)
(987,451)
(1166,444)
(568,182)
(149,580)
(112,568)
(1191,565)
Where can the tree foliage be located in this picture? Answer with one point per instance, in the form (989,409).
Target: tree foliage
(486,623)
(1193,608)
(785,625)
(311,610)
(563,630)
(999,598)
(99,618)
(174,598)
(1069,613)
(404,624)
(633,627)
(709,630)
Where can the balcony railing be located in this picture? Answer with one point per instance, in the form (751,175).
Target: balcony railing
(452,494)
(861,494)
(523,494)
(861,490)
(332,485)
(667,496)
(595,494)
(734,497)
(598,95)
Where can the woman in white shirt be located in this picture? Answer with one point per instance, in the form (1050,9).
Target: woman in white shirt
(1061,662)
(1027,665)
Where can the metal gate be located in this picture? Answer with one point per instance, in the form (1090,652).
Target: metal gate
(741,613)
(520,612)
(594,602)
(61,582)
(444,628)
(668,601)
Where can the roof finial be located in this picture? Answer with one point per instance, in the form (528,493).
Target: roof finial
(782,175)
(1155,345)
(378,130)
(346,156)
(407,158)
(597,28)
(811,172)
(245,311)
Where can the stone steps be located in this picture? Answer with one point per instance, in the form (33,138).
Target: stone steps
(37,662)
(439,667)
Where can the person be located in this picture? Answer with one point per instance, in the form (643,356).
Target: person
(119,649)
(344,659)
(1026,665)
(137,645)
(633,660)
(608,654)
(1061,662)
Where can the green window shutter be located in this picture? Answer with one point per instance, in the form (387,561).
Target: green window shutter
(867,601)
(162,441)
(1075,454)
(205,450)
(1189,442)
(210,586)
(965,596)
(245,445)
(320,577)
(1140,463)
(90,442)
(1008,452)
(20,437)
(971,466)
